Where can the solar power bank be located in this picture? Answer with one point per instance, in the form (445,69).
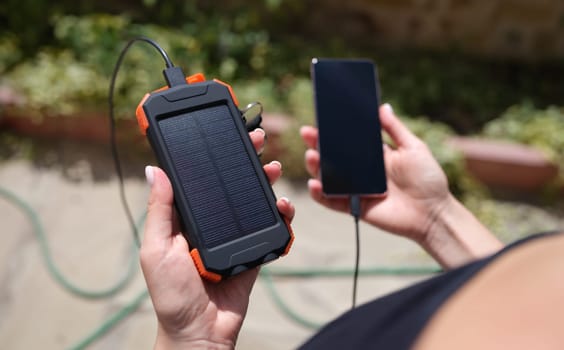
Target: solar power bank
(225,203)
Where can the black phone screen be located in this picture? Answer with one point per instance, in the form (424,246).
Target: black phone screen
(350,140)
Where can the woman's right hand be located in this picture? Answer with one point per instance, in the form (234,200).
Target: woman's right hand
(417,186)
(418,203)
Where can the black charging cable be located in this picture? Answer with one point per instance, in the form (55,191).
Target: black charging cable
(355,212)
(172,74)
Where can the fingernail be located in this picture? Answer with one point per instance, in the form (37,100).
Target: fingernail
(311,152)
(310,182)
(260,131)
(388,107)
(149,175)
(277,163)
(285,200)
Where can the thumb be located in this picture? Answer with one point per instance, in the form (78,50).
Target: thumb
(399,133)
(159,224)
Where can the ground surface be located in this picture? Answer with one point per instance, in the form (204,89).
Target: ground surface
(75,195)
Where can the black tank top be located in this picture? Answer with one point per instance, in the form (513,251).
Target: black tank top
(396,320)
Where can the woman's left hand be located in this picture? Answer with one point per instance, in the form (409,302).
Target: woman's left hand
(192,313)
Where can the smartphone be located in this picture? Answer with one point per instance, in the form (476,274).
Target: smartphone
(346,98)
(225,203)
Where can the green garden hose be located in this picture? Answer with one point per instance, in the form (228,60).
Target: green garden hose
(110,323)
(51,266)
(267,276)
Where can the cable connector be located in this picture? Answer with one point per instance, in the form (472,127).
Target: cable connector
(174,76)
(355,206)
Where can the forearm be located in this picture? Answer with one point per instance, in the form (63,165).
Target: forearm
(456,237)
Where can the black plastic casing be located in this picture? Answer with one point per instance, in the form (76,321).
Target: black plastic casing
(245,250)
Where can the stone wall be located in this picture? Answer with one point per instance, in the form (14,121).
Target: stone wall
(509,28)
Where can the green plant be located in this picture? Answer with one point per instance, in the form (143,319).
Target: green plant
(299,103)
(9,52)
(274,39)
(263,91)
(541,128)
(250,41)
(88,48)
(55,83)
(436,135)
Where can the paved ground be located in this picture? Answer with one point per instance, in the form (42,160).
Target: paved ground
(77,202)
(75,194)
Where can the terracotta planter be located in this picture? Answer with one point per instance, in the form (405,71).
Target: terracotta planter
(91,127)
(94,127)
(505,165)
(496,164)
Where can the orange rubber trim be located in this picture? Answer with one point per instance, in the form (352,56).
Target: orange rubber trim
(210,276)
(230,91)
(195,78)
(141,117)
(287,250)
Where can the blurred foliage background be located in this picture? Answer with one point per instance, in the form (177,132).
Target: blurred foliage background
(59,57)
(75,43)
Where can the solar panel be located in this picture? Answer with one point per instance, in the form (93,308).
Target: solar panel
(217,176)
